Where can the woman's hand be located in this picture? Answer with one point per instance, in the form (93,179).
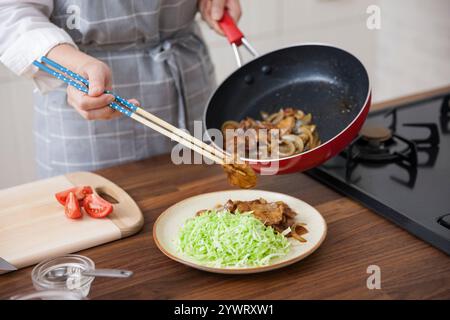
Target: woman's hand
(92,106)
(212,11)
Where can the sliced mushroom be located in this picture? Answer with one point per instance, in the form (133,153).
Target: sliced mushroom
(299,115)
(316,141)
(286,125)
(298,125)
(296,140)
(286,148)
(233,125)
(311,127)
(307,119)
(297,230)
(264,115)
(289,112)
(276,117)
(306,133)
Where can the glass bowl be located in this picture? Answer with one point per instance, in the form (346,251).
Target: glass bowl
(50,295)
(71,265)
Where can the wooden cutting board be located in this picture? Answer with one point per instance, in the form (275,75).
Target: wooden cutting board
(33,225)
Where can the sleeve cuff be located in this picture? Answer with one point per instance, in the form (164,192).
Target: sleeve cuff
(33,45)
(30,46)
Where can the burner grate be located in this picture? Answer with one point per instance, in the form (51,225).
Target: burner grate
(382,145)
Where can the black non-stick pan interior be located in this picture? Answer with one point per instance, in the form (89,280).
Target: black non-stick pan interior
(328,82)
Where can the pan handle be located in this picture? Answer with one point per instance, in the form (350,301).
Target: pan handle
(231,30)
(235,37)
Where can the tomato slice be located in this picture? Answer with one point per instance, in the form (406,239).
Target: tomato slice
(79,192)
(72,207)
(96,206)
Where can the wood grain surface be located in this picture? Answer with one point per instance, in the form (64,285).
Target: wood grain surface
(33,226)
(357,238)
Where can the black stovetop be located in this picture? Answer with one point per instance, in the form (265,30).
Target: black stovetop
(406,177)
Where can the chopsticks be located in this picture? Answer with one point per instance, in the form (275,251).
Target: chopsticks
(130,110)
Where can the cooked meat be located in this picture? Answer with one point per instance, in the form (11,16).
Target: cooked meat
(293,133)
(240,175)
(277,214)
(269,213)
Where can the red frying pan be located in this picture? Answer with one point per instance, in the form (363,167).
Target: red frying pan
(324,80)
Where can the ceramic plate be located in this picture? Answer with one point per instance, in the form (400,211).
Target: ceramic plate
(167,226)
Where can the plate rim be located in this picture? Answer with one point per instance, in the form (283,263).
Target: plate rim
(238,270)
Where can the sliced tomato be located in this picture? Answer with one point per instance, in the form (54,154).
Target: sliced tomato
(96,206)
(79,192)
(72,207)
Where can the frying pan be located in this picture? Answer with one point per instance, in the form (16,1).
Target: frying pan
(324,80)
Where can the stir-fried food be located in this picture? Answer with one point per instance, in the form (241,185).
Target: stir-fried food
(277,215)
(241,233)
(284,133)
(240,175)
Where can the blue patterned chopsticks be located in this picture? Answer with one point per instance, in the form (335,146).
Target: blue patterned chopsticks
(83,86)
(75,80)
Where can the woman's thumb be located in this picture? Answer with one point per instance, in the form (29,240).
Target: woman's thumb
(97,81)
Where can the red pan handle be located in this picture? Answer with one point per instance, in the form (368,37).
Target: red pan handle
(231,30)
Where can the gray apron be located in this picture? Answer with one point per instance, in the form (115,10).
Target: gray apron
(156,55)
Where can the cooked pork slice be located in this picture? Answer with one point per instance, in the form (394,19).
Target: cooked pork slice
(230,206)
(268,213)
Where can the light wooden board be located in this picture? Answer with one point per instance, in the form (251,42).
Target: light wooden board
(33,225)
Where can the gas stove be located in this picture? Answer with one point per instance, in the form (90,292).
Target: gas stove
(399,166)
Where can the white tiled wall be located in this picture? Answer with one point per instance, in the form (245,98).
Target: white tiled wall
(410,53)
(413,47)
(277,23)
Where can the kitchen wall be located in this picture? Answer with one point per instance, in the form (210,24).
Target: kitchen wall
(409,53)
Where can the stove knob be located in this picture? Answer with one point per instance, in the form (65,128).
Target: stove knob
(445,221)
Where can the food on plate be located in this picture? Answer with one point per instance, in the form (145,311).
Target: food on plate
(277,215)
(74,199)
(225,239)
(96,206)
(241,233)
(296,134)
(80,193)
(240,175)
(72,207)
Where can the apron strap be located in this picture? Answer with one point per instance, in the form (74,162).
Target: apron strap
(166,52)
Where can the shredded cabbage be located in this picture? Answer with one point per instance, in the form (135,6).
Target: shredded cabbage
(224,239)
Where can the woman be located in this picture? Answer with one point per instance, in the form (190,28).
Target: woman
(149,50)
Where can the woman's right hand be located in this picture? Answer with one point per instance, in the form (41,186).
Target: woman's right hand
(94,105)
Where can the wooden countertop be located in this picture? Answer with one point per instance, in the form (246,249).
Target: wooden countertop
(357,238)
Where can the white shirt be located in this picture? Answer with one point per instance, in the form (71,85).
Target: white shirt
(26,34)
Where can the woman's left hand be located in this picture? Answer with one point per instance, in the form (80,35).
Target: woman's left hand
(212,11)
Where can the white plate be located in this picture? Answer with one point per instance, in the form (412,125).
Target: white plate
(168,224)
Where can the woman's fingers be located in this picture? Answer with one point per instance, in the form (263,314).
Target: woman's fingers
(212,11)
(95,104)
(205,10)
(105,113)
(134,101)
(213,23)
(90,108)
(234,8)
(217,8)
(117,114)
(82,101)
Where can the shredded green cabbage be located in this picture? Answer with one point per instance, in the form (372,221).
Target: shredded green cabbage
(224,239)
